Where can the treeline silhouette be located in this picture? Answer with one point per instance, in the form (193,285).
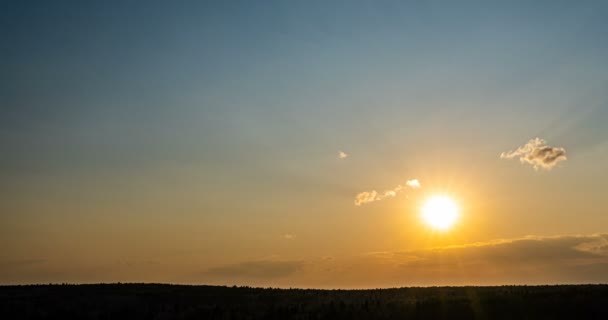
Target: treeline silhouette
(162,301)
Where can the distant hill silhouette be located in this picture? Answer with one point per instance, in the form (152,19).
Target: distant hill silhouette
(161,301)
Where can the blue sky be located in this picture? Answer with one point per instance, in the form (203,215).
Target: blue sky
(156,76)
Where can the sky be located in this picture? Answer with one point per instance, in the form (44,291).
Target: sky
(276,143)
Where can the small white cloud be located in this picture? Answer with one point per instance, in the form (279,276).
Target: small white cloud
(289,236)
(390,193)
(365,197)
(342,154)
(413,183)
(538,154)
(371,196)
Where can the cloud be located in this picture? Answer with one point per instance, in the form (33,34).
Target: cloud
(289,236)
(366,197)
(538,154)
(342,154)
(371,196)
(520,251)
(526,260)
(263,269)
(413,183)
(531,260)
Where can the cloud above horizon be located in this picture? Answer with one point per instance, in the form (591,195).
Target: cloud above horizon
(526,260)
(371,196)
(537,153)
(342,154)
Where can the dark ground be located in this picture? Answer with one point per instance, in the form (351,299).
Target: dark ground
(159,301)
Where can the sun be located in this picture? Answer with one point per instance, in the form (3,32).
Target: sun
(440,212)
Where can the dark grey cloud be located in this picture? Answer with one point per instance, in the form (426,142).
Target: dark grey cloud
(532,260)
(537,153)
(527,250)
(526,260)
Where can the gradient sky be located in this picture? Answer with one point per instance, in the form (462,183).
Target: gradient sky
(197,142)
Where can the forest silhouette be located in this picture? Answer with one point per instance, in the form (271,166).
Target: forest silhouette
(161,301)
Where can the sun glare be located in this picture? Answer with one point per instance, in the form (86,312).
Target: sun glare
(440,212)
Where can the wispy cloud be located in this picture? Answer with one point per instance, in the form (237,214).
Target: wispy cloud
(342,154)
(371,196)
(537,153)
(289,236)
(531,259)
(525,260)
(522,260)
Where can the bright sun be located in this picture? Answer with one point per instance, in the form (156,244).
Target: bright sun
(440,212)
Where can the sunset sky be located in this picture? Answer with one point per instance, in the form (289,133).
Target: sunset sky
(297,143)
